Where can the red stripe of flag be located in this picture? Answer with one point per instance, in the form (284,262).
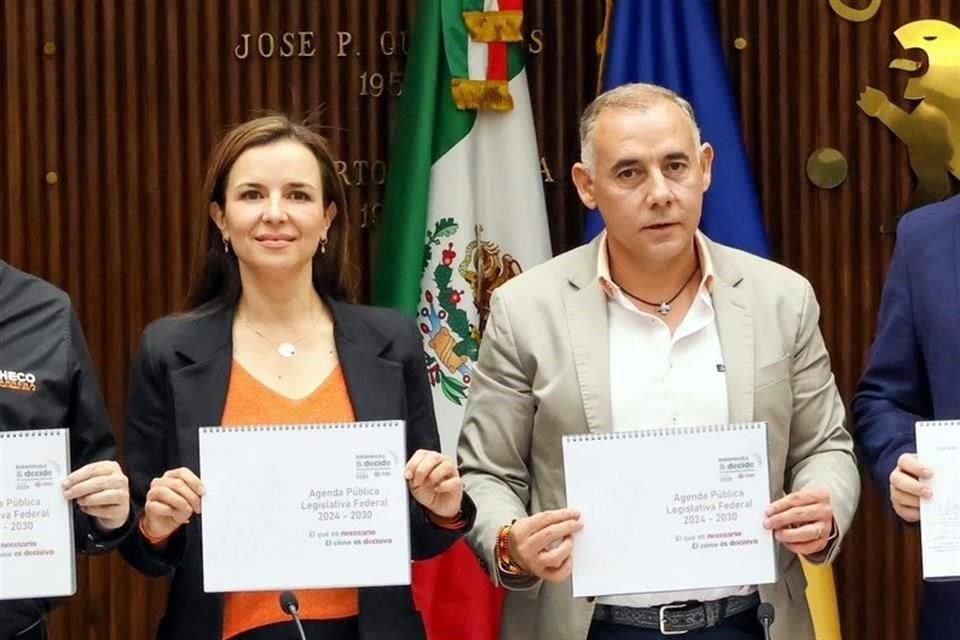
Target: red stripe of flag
(497,65)
(497,61)
(456,597)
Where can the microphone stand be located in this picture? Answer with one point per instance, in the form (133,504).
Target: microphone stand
(291,606)
(765,617)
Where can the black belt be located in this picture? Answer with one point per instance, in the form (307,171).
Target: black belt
(671,619)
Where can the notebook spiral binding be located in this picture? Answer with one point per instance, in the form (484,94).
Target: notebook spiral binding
(663,432)
(933,424)
(30,433)
(370,424)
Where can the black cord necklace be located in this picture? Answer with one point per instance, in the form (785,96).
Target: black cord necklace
(663,308)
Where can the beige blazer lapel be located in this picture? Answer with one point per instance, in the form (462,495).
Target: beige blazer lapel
(735,327)
(586,308)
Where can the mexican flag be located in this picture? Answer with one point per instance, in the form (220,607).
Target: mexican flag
(464,213)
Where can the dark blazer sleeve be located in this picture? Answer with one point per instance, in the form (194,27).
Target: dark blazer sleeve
(17,616)
(427,539)
(894,392)
(91,439)
(150,433)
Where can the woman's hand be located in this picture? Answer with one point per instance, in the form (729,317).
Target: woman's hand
(435,482)
(171,501)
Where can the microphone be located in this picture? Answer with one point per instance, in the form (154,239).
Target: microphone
(291,606)
(765,618)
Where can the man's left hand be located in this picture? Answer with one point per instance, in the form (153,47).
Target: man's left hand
(802,521)
(102,491)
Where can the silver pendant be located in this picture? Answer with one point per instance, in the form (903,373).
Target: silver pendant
(287,350)
(663,309)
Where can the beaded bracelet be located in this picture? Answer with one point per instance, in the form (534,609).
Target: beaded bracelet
(505,563)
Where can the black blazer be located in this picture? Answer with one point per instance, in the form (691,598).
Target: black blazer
(40,337)
(179,382)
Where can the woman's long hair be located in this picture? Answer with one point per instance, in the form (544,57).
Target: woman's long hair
(216,274)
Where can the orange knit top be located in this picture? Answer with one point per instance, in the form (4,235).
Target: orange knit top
(249,401)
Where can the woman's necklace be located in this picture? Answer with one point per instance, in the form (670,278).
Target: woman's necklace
(663,308)
(285,349)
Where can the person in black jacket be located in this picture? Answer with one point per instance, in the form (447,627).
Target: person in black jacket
(267,332)
(42,347)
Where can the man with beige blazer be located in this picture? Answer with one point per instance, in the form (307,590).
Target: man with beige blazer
(650,325)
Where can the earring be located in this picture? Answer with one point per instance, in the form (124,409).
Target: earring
(226,245)
(323,245)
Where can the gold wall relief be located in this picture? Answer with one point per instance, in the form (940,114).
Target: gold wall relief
(931,130)
(827,167)
(847,12)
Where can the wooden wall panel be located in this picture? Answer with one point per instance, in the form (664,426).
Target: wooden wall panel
(125,111)
(798,81)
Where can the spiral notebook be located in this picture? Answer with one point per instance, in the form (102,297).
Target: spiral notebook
(938,447)
(670,509)
(304,506)
(36,521)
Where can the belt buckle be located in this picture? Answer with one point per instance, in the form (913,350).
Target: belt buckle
(663,620)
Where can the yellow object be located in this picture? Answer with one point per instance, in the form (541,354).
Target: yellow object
(822,600)
(494,26)
(931,130)
(602,44)
(847,12)
(827,167)
(489,95)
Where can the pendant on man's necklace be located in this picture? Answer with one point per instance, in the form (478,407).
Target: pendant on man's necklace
(663,309)
(287,350)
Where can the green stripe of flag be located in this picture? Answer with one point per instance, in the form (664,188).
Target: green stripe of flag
(428,124)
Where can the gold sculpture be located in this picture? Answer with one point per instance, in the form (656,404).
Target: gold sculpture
(847,12)
(932,130)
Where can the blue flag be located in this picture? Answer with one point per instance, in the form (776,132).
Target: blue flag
(676,44)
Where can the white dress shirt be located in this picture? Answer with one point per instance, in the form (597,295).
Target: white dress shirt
(662,380)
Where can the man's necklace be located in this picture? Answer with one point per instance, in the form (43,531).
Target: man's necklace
(663,308)
(285,349)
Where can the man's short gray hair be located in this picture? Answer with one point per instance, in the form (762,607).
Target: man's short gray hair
(639,96)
